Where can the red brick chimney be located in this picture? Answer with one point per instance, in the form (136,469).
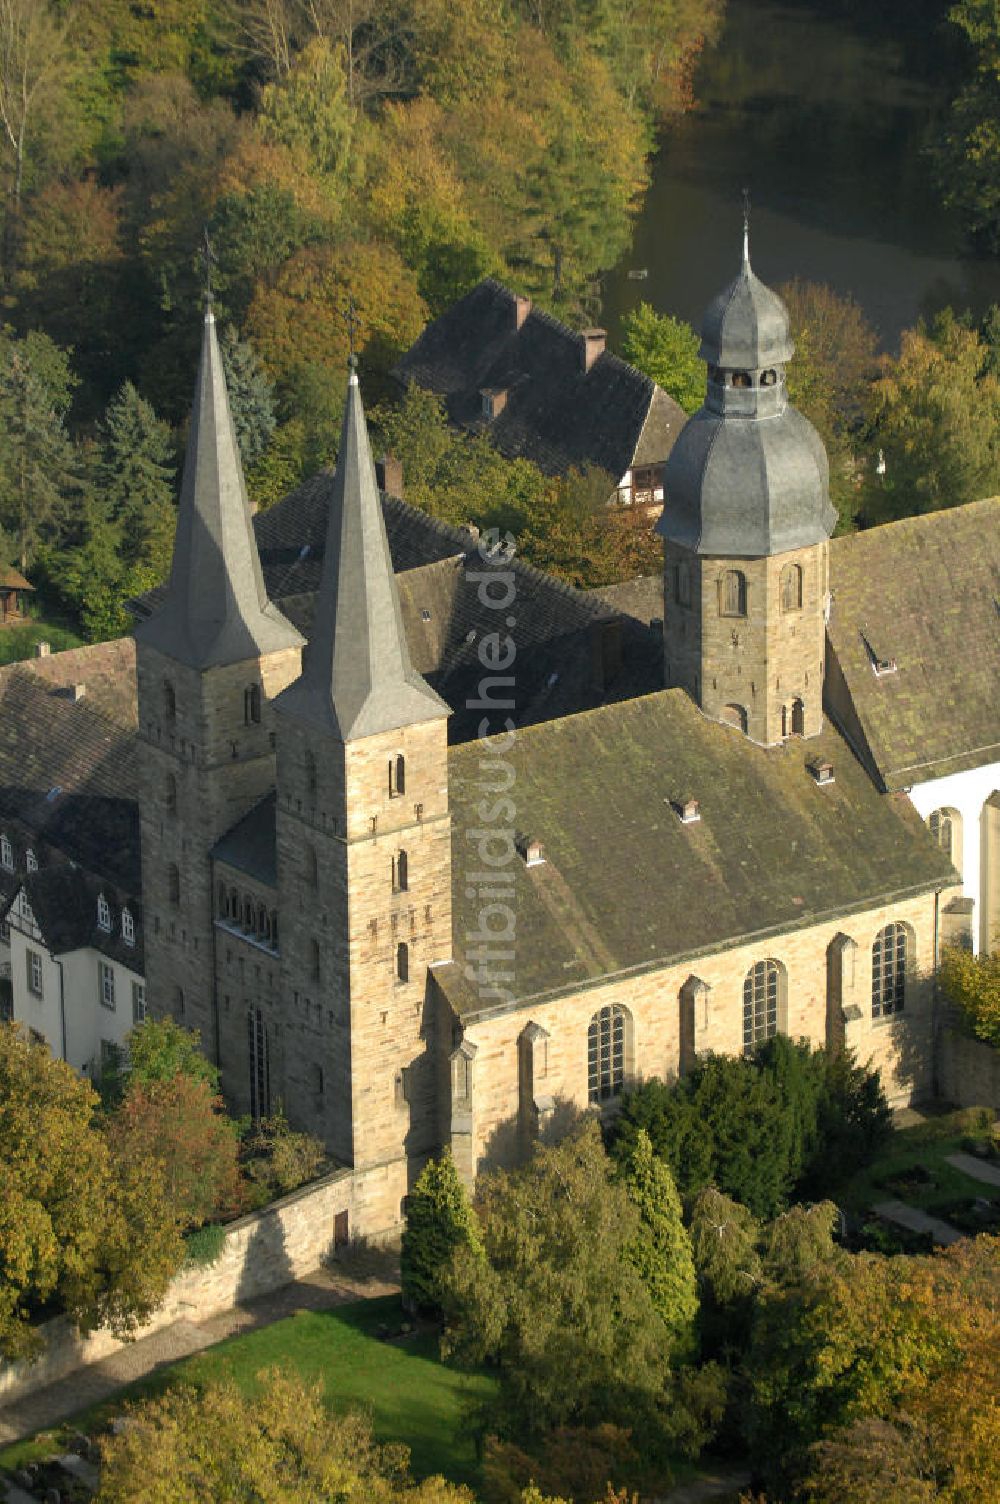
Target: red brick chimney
(389,475)
(522,307)
(594,341)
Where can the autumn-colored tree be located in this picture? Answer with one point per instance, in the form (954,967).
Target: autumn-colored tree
(972,983)
(281,1445)
(82,1230)
(160,1049)
(180,1126)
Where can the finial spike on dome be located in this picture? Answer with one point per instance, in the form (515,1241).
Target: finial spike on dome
(746,229)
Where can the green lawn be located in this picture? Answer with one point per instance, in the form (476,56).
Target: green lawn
(411,1396)
(17,643)
(923,1147)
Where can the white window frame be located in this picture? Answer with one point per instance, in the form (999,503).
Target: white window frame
(138,1002)
(103,914)
(106,984)
(128,927)
(6,854)
(36,973)
(30,860)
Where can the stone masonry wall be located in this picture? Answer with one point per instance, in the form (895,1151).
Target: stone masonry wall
(900,1047)
(968,1070)
(762,661)
(262,1252)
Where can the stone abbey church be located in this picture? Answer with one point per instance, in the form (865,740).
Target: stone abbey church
(434,846)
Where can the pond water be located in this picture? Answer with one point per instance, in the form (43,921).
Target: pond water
(827,126)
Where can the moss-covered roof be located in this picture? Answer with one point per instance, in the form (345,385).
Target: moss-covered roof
(924,592)
(625,884)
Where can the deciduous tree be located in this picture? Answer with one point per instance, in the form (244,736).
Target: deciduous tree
(666,349)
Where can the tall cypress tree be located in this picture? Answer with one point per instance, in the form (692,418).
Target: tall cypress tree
(662,1254)
(439,1219)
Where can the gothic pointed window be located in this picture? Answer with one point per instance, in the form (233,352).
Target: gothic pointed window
(791,588)
(733,593)
(889,971)
(606,1054)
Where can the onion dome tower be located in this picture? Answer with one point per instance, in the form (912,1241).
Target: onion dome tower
(746,525)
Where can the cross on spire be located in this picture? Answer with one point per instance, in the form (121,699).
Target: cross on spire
(746,227)
(208,260)
(353,320)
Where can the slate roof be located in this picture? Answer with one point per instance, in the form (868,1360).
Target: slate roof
(925,592)
(641,598)
(63,900)
(251,846)
(357,679)
(106,669)
(556,414)
(746,325)
(625,885)
(215,609)
(68,777)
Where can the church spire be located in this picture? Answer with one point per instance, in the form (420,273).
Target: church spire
(216,609)
(357,678)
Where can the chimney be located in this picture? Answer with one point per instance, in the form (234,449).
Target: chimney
(389,475)
(594,341)
(531,851)
(42,649)
(77,692)
(821,770)
(522,307)
(494,400)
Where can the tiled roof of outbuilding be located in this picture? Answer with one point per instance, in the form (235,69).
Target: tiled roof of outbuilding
(924,592)
(556,414)
(625,885)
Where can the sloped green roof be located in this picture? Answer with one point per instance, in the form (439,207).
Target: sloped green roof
(626,885)
(925,592)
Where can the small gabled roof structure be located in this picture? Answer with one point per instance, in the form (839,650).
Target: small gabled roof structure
(13,579)
(561,410)
(215,610)
(357,679)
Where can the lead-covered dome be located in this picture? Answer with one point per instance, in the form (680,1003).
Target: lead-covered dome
(748,476)
(746,326)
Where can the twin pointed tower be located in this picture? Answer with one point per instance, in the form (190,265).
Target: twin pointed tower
(746,530)
(326,773)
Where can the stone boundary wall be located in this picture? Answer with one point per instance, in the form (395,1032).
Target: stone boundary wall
(968,1070)
(262,1252)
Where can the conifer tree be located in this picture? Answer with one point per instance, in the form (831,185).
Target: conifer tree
(251,398)
(662,1253)
(439,1219)
(137,478)
(37,462)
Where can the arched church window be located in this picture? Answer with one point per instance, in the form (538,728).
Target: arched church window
(169,701)
(400,874)
(946,827)
(606,1053)
(397,775)
(173,885)
(761,998)
(889,971)
(733,593)
(251,705)
(798,718)
(741,379)
(791,588)
(402,962)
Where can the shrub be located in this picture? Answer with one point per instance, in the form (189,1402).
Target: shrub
(275,1159)
(439,1219)
(972,983)
(203,1246)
